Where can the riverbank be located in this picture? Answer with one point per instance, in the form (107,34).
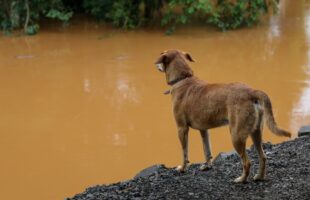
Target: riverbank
(288,177)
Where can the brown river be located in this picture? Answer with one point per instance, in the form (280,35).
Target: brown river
(84,105)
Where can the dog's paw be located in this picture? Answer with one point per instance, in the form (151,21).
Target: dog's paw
(205,166)
(240,179)
(181,168)
(258,177)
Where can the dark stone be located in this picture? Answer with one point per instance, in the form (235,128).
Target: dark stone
(221,157)
(304,131)
(149,171)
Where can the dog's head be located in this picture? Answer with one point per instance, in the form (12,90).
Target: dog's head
(172,57)
(174,64)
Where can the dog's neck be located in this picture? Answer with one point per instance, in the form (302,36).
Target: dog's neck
(176,80)
(177,71)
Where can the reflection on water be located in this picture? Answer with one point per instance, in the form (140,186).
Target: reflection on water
(119,139)
(87,85)
(301,109)
(125,92)
(79,109)
(274,28)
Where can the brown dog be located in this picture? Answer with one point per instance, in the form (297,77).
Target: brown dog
(203,106)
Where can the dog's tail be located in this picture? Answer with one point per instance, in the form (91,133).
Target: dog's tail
(268,114)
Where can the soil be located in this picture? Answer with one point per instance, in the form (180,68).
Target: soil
(288,177)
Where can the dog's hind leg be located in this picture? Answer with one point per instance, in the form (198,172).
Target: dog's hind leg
(239,145)
(242,122)
(183,136)
(207,150)
(257,141)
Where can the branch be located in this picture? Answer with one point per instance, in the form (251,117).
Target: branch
(27,15)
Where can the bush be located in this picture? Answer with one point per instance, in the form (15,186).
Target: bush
(98,8)
(183,11)
(123,13)
(16,14)
(234,14)
(224,14)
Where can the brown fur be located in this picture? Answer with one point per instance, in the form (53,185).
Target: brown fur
(203,106)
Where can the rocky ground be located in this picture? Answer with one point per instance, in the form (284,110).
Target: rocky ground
(288,177)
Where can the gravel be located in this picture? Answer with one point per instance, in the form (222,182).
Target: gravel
(288,177)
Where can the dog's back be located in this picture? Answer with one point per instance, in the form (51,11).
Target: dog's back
(204,106)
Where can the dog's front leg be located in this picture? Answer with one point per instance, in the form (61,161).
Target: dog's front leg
(183,136)
(207,150)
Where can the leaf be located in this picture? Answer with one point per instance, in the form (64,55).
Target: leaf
(56,14)
(183,19)
(170,30)
(32,29)
(191,10)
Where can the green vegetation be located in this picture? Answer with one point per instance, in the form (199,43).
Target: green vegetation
(128,14)
(26,14)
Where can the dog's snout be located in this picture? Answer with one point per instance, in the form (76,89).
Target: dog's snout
(160,67)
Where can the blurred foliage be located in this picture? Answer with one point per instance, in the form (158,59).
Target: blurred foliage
(234,14)
(123,13)
(26,14)
(127,14)
(224,14)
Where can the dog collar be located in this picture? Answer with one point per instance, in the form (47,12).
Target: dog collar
(167,92)
(171,83)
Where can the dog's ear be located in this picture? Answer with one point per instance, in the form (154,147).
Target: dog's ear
(162,59)
(161,62)
(189,57)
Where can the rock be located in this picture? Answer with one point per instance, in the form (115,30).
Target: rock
(149,171)
(223,156)
(90,197)
(304,131)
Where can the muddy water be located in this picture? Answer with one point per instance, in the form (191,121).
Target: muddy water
(84,106)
